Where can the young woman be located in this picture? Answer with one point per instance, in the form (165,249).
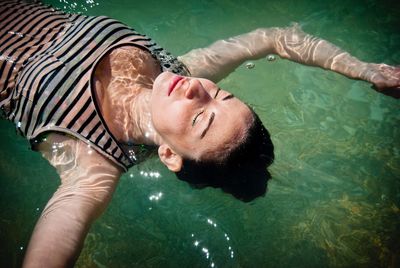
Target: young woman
(87,90)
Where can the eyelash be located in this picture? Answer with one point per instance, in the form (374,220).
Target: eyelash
(202,111)
(197,115)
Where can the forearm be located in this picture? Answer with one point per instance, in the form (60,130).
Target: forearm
(58,237)
(222,57)
(60,232)
(294,44)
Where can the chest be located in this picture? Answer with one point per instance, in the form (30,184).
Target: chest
(123,73)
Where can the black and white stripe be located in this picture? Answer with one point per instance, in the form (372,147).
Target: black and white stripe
(47,58)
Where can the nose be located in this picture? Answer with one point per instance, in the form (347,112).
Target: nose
(195,90)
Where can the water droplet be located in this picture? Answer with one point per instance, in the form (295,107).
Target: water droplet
(250,65)
(270,57)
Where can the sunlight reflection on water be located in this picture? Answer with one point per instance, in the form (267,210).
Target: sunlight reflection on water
(335,195)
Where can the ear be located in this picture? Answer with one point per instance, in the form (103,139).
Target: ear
(172,160)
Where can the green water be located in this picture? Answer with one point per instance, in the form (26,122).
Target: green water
(334,197)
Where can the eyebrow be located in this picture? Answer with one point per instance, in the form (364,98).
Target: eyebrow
(230,96)
(208,125)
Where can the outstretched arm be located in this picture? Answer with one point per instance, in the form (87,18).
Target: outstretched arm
(88,180)
(222,57)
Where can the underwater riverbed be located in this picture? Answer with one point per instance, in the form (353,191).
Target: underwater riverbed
(334,196)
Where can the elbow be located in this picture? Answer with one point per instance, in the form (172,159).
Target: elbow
(294,44)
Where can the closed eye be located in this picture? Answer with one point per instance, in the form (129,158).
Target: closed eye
(230,96)
(196,116)
(212,116)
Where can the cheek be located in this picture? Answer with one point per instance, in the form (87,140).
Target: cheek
(170,120)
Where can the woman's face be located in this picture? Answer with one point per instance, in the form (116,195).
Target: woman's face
(196,118)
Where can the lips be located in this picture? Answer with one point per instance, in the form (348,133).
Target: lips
(174,81)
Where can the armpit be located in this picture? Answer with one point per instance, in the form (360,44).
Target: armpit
(73,158)
(60,150)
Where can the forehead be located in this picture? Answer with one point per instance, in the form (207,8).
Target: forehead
(229,128)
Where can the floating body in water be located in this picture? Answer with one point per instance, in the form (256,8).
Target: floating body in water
(88,91)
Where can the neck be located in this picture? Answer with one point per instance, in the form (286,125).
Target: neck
(139,127)
(123,82)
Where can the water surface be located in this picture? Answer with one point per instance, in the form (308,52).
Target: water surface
(334,197)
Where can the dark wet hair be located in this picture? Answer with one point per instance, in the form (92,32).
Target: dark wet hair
(243,172)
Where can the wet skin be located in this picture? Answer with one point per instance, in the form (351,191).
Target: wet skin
(195,117)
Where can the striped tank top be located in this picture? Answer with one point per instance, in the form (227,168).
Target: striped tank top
(47,58)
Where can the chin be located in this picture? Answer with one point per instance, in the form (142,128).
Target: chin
(162,81)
